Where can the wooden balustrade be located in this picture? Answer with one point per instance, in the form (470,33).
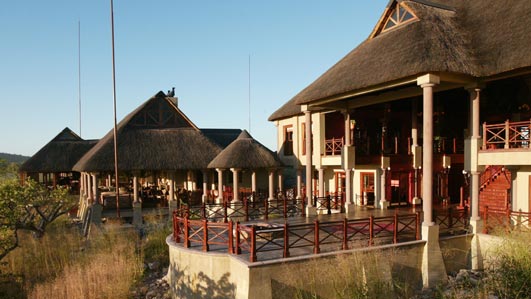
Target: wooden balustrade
(506,220)
(282,239)
(506,135)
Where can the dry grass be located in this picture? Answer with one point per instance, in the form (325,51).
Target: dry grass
(64,265)
(361,275)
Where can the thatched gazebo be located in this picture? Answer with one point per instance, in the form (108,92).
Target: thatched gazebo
(245,153)
(52,165)
(157,140)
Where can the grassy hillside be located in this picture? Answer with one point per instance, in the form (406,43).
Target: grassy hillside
(19,159)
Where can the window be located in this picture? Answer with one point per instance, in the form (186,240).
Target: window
(396,15)
(288,140)
(401,14)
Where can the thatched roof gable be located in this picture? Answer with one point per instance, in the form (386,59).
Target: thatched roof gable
(58,155)
(246,153)
(434,43)
(477,38)
(156,136)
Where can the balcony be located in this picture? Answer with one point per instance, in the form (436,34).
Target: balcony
(333,146)
(506,143)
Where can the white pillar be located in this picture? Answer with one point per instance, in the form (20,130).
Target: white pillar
(171,181)
(253,181)
(135,189)
(95,187)
(308,133)
(349,204)
(271,184)
(280,181)
(235,187)
(299,183)
(90,197)
(205,185)
(475,174)
(321,182)
(427,83)
(220,185)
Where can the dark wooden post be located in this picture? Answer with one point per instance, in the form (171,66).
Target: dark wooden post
(225,212)
(450,219)
(328,205)
(230,244)
(371,229)
(246,208)
(238,250)
(285,204)
(395,228)
(252,254)
(186,232)
(486,217)
(345,234)
(316,248)
(266,208)
(176,235)
(286,239)
(417,225)
(203,210)
(205,235)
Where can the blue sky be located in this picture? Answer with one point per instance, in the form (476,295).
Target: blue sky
(201,48)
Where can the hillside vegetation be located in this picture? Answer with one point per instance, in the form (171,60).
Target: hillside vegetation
(13,158)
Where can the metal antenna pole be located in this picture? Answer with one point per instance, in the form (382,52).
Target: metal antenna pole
(249,93)
(117,180)
(79,71)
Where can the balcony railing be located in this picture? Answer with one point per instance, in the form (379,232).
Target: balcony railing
(333,146)
(506,135)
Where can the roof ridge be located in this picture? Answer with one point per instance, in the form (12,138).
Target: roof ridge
(432,4)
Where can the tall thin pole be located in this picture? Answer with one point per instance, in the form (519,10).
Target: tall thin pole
(249,96)
(79,71)
(115,129)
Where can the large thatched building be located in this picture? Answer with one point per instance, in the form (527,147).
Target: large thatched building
(52,165)
(162,156)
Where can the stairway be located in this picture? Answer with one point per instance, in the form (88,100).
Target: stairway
(494,189)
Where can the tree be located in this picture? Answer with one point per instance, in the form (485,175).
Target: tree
(8,171)
(29,206)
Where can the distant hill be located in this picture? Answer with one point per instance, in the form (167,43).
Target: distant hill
(19,159)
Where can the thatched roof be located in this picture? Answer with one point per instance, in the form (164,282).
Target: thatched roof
(246,153)
(157,136)
(478,38)
(58,155)
(222,137)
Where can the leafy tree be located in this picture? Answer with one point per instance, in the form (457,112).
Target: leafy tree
(8,171)
(29,206)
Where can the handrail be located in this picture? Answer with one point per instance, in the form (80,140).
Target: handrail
(506,219)
(333,146)
(506,135)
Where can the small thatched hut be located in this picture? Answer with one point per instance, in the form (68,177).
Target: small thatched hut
(245,153)
(53,164)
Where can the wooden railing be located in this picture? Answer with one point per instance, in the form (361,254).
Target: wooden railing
(452,220)
(333,146)
(506,135)
(505,220)
(283,240)
(245,209)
